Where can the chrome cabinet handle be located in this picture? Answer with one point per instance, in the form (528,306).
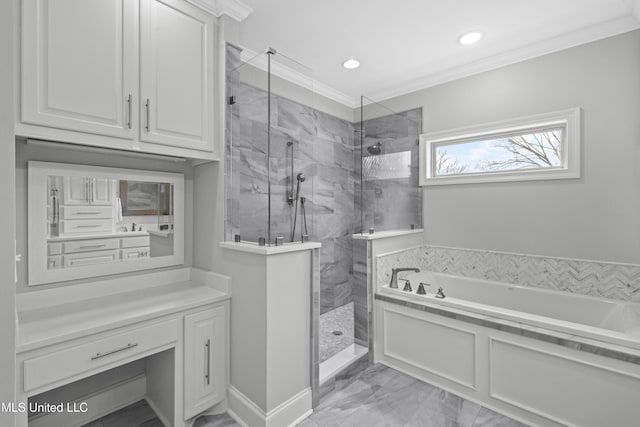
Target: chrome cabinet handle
(86,186)
(117,350)
(129,108)
(87,226)
(147,104)
(207,355)
(92,188)
(87,213)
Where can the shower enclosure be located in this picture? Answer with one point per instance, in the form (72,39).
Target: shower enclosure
(269,153)
(297,173)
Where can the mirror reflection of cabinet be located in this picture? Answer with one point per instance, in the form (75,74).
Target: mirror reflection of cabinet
(80,190)
(90,221)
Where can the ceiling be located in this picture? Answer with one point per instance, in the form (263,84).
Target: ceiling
(408,45)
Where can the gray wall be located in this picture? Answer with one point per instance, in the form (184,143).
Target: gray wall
(8,22)
(594,217)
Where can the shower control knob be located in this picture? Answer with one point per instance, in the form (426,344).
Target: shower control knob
(407,286)
(421,290)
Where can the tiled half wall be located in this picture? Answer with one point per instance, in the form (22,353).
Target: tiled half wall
(600,279)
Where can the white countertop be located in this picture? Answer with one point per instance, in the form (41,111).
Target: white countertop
(57,323)
(386,234)
(99,236)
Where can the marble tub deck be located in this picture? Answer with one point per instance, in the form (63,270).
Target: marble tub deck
(380,396)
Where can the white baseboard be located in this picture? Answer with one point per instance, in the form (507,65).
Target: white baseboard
(289,413)
(98,405)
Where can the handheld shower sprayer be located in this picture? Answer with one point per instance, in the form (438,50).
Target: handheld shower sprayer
(301,178)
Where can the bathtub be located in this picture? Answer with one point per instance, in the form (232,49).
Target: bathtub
(544,357)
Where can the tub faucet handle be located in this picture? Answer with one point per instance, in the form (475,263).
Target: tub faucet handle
(407,286)
(440,294)
(421,290)
(394,275)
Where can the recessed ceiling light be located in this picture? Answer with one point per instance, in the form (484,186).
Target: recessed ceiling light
(350,64)
(470,37)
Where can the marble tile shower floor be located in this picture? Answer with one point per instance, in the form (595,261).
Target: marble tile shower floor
(383,397)
(337,320)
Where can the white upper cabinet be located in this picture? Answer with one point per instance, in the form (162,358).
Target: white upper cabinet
(87,191)
(126,74)
(79,65)
(176,79)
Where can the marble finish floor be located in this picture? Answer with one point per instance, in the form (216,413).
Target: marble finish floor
(338,319)
(383,397)
(138,414)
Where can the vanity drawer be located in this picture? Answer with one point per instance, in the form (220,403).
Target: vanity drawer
(86,226)
(90,245)
(54,248)
(91,258)
(96,356)
(87,212)
(135,242)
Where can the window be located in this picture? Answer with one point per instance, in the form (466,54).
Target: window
(545,146)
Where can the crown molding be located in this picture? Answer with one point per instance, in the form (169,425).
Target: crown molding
(298,78)
(234,9)
(544,47)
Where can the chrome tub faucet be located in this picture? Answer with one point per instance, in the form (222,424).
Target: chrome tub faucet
(394,275)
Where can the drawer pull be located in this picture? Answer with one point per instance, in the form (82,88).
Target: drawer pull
(88,213)
(87,226)
(207,355)
(91,246)
(127,347)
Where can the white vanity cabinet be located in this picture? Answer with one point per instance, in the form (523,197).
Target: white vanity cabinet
(79,65)
(179,325)
(176,74)
(205,344)
(126,74)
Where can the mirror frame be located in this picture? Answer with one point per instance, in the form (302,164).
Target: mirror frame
(40,274)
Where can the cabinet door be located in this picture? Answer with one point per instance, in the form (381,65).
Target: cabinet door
(101,191)
(76,190)
(176,78)
(79,65)
(205,359)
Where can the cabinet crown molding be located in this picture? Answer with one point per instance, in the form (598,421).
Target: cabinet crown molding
(233,8)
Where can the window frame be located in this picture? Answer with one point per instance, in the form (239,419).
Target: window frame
(569,169)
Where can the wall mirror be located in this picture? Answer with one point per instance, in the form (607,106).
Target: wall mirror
(87,221)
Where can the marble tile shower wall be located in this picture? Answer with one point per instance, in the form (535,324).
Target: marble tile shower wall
(600,279)
(396,203)
(323,147)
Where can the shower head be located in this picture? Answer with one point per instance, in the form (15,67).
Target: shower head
(301,177)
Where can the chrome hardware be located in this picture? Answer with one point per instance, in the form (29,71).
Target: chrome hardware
(88,213)
(126,347)
(236,238)
(129,108)
(407,286)
(87,189)
(371,230)
(279,241)
(146,105)
(262,241)
(207,358)
(440,294)
(394,275)
(421,290)
(133,227)
(87,226)
(91,190)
